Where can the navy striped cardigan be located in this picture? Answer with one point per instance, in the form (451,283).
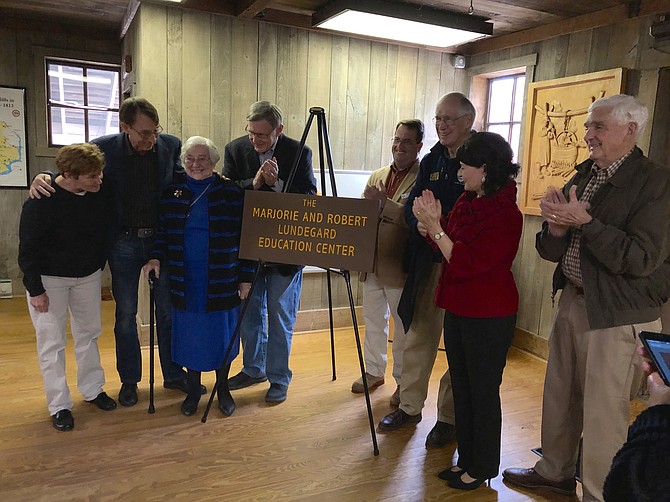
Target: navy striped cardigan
(225,200)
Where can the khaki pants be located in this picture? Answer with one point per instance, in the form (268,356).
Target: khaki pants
(380,301)
(421,343)
(591,377)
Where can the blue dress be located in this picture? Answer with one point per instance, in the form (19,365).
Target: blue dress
(200,339)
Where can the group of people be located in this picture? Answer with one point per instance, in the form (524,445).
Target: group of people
(608,230)
(182,224)
(449,231)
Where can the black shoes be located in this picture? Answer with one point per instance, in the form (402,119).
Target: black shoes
(104,402)
(276,393)
(453,472)
(459,484)
(398,419)
(441,435)
(190,405)
(128,394)
(242,380)
(182,385)
(63,420)
(226,403)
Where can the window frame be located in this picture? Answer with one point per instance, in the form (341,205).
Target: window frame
(479,90)
(86,66)
(511,122)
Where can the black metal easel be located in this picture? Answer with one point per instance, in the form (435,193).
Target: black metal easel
(324,147)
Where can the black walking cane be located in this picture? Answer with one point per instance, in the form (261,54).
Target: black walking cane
(152,302)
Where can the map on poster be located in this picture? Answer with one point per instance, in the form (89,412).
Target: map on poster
(13,159)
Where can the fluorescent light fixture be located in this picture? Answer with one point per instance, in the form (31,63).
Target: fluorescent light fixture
(402,22)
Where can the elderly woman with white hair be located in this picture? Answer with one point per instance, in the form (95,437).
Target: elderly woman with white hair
(198,240)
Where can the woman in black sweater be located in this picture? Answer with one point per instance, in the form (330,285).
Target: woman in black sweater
(61,254)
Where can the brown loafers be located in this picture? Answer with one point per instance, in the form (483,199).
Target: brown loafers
(529,478)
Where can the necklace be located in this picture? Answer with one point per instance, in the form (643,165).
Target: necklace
(198,198)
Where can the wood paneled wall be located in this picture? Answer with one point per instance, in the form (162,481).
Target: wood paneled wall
(20,59)
(202,71)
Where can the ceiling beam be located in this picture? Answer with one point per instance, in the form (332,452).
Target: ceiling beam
(250,8)
(597,19)
(133,6)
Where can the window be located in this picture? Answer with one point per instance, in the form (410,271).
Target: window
(82,100)
(504,108)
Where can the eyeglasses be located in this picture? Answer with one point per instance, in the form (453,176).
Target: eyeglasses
(200,159)
(402,141)
(149,134)
(258,135)
(447,120)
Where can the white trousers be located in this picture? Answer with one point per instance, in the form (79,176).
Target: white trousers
(378,302)
(81,296)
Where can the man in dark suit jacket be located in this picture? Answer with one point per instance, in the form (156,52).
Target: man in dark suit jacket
(263,160)
(140,163)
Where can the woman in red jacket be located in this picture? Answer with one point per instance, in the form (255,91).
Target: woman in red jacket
(478,240)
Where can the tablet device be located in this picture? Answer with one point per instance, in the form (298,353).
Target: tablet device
(658,347)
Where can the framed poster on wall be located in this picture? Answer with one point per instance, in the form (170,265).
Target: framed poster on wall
(13,138)
(554,144)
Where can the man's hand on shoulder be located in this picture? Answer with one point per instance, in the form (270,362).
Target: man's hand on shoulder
(41,185)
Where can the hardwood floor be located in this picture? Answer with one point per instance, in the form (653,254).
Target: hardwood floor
(314,447)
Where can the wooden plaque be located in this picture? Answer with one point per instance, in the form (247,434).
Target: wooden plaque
(554,142)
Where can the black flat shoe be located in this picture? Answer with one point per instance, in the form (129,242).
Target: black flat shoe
(103,401)
(128,394)
(226,404)
(190,405)
(182,385)
(459,484)
(63,420)
(242,380)
(450,473)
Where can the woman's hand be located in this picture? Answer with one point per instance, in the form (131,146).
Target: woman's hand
(243,290)
(428,211)
(152,265)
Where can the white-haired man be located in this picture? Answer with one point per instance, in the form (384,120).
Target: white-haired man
(608,230)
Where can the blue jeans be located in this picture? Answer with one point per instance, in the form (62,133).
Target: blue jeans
(267,328)
(126,258)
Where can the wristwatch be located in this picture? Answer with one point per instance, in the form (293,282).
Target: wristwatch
(438,235)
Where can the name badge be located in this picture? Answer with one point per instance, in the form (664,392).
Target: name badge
(434,176)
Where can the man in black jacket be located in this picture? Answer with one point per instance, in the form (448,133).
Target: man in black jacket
(263,160)
(422,319)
